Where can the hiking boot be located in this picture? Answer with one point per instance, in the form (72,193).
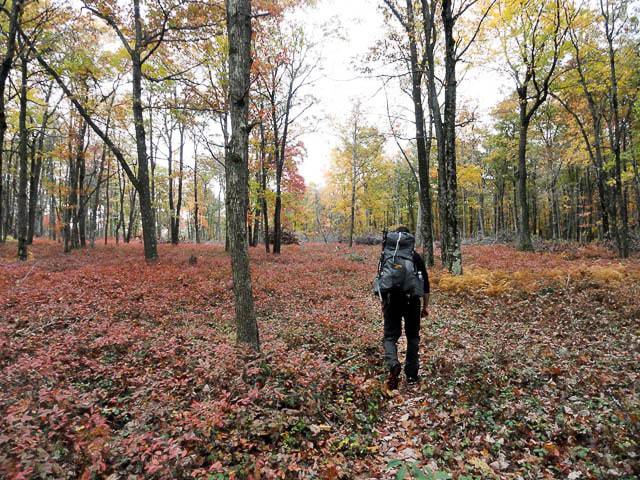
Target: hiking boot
(413,379)
(394,377)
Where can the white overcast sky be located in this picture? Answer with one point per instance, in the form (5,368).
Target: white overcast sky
(339,80)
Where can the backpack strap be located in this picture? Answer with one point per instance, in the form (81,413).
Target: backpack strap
(413,256)
(397,245)
(384,241)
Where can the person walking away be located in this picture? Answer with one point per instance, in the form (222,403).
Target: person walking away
(402,285)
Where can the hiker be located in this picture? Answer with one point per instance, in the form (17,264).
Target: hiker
(402,282)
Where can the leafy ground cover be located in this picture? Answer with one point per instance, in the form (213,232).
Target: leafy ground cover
(112,368)
(530,371)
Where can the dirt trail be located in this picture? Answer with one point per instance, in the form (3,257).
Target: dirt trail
(398,435)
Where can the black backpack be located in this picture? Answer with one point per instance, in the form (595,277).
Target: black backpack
(396,270)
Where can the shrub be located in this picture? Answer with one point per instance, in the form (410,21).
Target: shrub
(607,274)
(368,239)
(288,237)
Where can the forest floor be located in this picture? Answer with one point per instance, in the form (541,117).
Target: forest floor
(114,368)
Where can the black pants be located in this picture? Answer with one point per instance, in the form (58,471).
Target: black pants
(395,308)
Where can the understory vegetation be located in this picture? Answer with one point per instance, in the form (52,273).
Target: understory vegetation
(111,366)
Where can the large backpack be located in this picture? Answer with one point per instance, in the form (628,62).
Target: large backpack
(396,270)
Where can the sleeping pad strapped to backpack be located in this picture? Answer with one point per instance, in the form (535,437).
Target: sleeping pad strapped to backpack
(396,270)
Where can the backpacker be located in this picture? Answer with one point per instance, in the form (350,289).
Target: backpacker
(396,270)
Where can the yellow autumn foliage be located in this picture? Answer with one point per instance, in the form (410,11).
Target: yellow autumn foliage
(498,282)
(608,274)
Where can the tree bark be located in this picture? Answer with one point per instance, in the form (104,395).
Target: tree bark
(81,212)
(152,164)
(22,218)
(263,186)
(615,136)
(636,181)
(146,207)
(175,234)
(34,185)
(76,156)
(121,191)
(354,179)
(5,69)
(257,212)
(428,24)
(196,214)
(52,206)
(524,235)
(453,255)
(107,213)
(237,168)
(93,221)
(133,193)
(423,143)
(36,166)
(277,214)
(481,231)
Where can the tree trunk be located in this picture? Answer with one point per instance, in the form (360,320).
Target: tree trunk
(132,214)
(615,136)
(146,208)
(257,214)
(603,203)
(524,235)
(72,237)
(423,144)
(237,168)
(516,218)
(36,165)
(263,186)
(219,216)
(82,195)
(481,231)
(410,207)
(429,20)
(533,200)
(22,219)
(444,130)
(34,185)
(93,220)
(52,206)
(280,158)
(636,181)
(352,218)
(5,70)
(277,215)
(555,210)
(318,206)
(176,226)
(453,254)
(12,193)
(107,212)
(152,163)
(607,206)
(196,213)
(121,191)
